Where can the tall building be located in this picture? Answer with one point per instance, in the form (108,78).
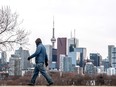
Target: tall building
(61,65)
(54,55)
(72,43)
(61,48)
(83,53)
(65,63)
(75,56)
(54,59)
(112,55)
(53,40)
(105,63)
(110,47)
(96,57)
(49,53)
(113,58)
(23,54)
(15,66)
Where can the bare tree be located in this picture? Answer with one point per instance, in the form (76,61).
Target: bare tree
(10,33)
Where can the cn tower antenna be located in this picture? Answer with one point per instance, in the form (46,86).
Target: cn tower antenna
(53,27)
(74,33)
(74,40)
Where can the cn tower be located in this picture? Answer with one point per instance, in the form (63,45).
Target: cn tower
(53,40)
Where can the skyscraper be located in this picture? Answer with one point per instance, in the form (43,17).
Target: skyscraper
(54,55)
(65,63)
(72,43)
(75,56)
(54,58)
(110,47)
(112,55)
(106,64)
(113,58)
(61,64)
(83,53)
(96,57)
(61,48)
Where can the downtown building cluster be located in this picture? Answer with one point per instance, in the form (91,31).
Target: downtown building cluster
(68,57)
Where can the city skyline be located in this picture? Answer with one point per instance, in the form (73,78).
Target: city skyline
(93,20)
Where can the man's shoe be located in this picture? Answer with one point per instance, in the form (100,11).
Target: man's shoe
(50,84)
(31,84)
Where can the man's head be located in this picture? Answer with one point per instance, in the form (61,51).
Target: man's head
(38,41)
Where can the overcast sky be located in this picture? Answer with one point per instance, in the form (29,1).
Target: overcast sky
(93,20)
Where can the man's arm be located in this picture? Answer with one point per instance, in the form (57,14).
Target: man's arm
(37,52)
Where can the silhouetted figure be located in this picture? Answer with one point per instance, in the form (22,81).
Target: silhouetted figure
(40,59)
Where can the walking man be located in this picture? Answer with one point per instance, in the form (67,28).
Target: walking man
(40,59)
